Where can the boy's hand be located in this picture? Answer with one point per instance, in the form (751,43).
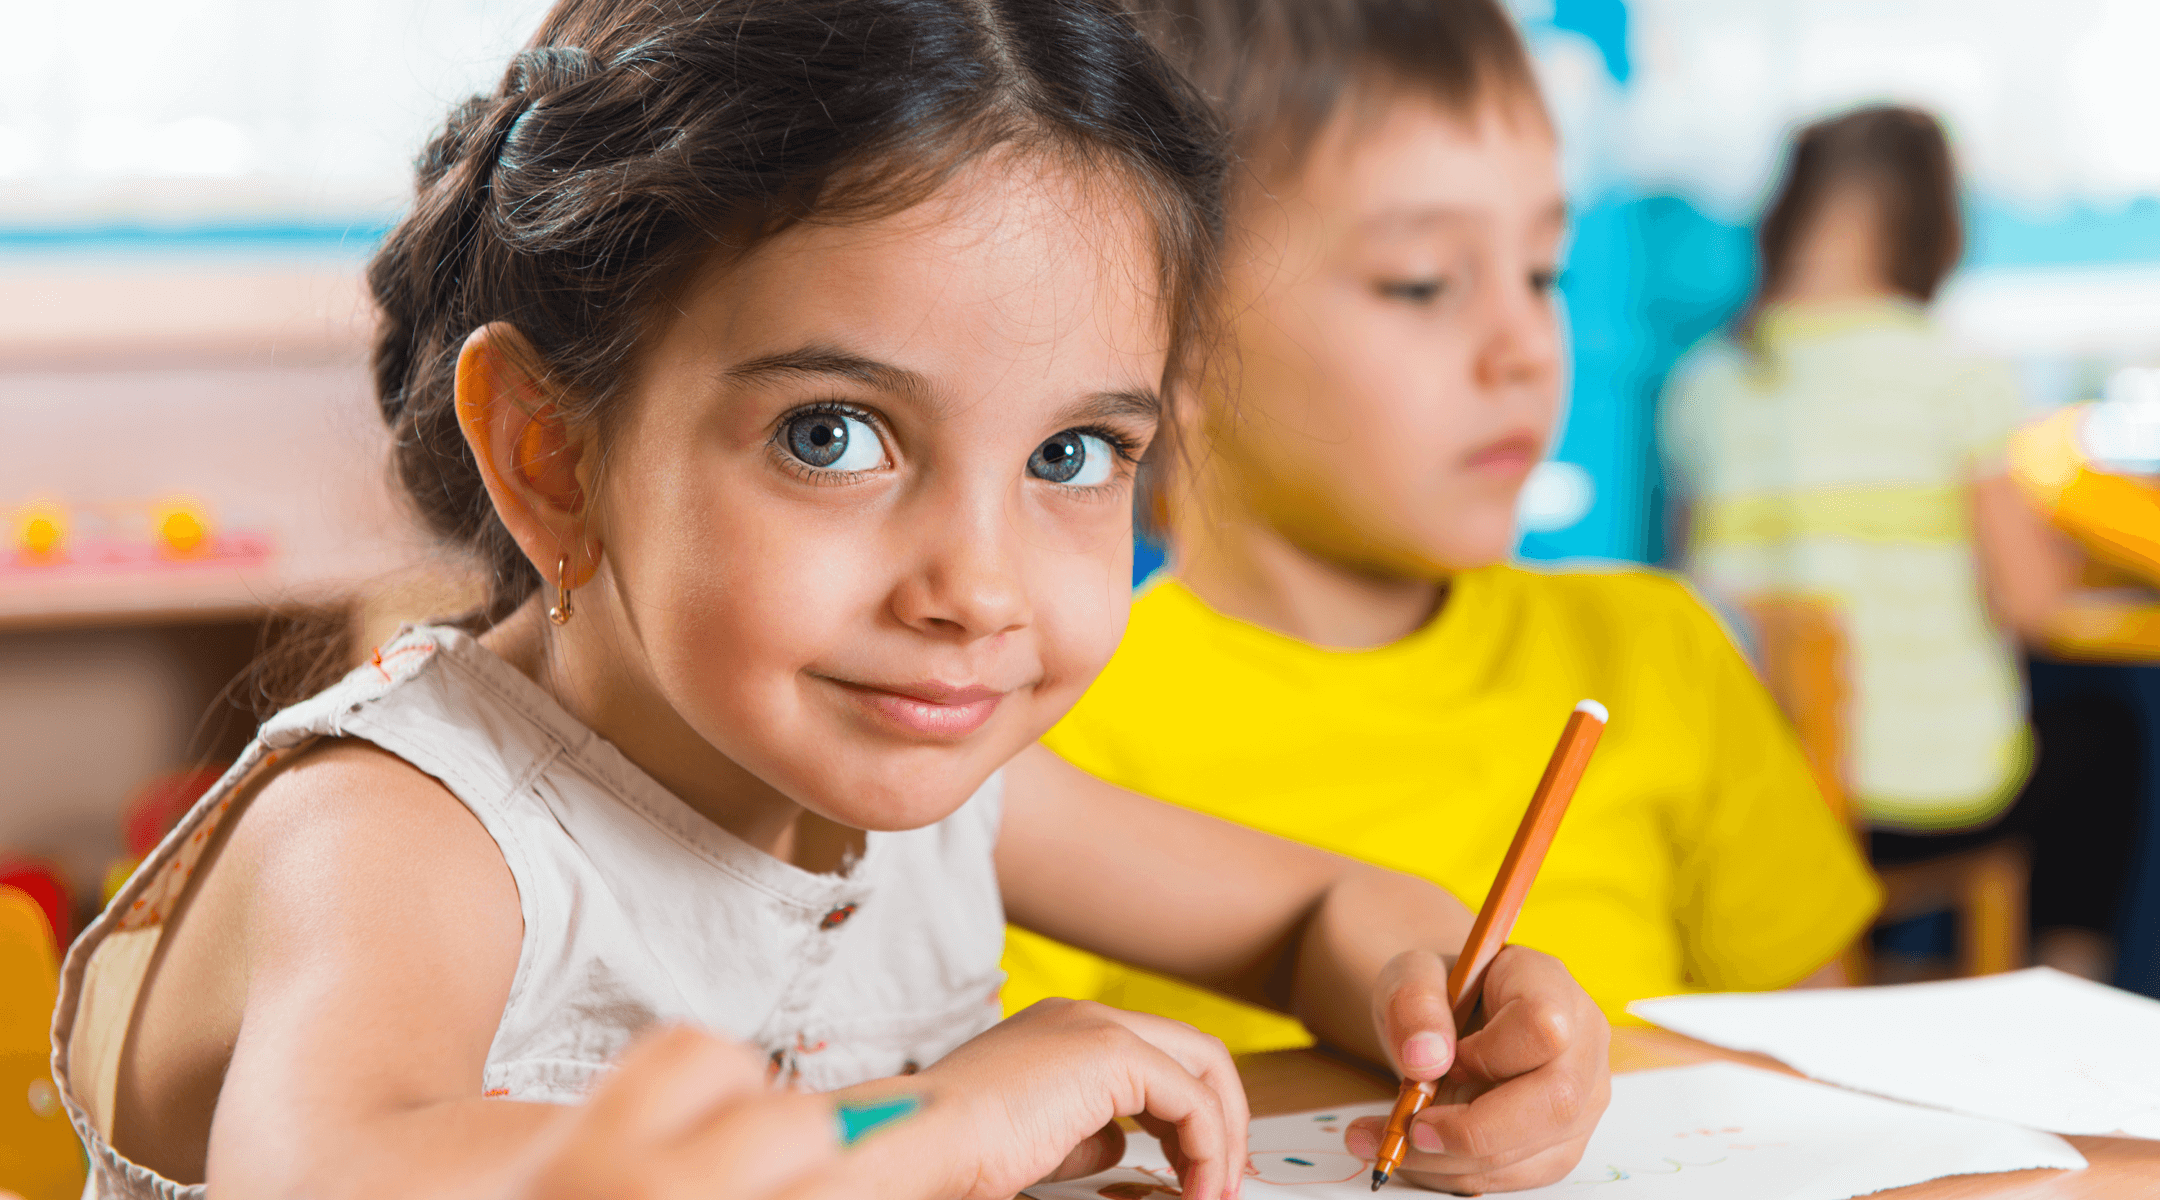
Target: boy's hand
(686,1114)
(1036,1098)
(1520,1095)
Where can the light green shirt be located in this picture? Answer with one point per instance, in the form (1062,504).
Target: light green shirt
(1834,463)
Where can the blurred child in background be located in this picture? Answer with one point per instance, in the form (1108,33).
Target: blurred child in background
(1340,651)
(1838,447)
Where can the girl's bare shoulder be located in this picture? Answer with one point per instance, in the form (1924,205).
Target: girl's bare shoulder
(353,794)
(344,872)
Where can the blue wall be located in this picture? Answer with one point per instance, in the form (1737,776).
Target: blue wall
(1650,274)
(1647,277)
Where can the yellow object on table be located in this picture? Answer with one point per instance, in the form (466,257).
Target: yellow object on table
(2115,517)
(40,1157)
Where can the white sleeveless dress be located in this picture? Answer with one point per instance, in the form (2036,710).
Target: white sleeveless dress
(637,910)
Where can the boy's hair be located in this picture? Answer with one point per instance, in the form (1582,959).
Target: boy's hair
(635,138)
(1281,69)
(1900,155)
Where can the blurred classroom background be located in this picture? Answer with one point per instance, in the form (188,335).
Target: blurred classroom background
(190,459)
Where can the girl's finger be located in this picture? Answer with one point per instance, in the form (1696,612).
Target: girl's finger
(1099,1151)
(853,1177)
(758,1145)
(1410,1010)
(1209,1061)
(666,1082)
(1185,1113)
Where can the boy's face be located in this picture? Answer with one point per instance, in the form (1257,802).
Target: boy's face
(1396,336)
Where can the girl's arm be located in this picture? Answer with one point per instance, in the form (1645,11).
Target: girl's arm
(377,930)
(1358,953)
(2028,571)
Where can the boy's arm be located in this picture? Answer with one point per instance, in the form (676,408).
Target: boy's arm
(1360,954)
(1265,920)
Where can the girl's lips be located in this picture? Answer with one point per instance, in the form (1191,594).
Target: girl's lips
(928,710)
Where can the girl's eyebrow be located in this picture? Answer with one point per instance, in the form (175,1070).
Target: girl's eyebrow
(1139,404)
(834,363)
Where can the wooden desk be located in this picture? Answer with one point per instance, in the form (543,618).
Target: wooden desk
(2122,1168)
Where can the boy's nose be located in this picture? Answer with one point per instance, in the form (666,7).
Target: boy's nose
(1523,343)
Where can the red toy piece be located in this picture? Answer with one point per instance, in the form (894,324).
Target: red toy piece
(158,805)
(41,882)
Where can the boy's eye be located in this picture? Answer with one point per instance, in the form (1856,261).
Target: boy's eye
(1414,291)
(835,441)
(1075,458)
(1544,281)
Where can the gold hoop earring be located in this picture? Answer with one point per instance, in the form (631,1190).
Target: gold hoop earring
(562,612)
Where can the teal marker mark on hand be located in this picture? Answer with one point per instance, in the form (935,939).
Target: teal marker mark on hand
(858,1120)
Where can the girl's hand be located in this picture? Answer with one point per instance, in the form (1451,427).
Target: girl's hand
(1519,1096)
(686,1114)
(1036,1098)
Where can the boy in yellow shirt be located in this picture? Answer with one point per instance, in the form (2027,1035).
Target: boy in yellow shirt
(1340,652)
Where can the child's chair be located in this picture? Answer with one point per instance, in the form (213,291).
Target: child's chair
(1802,651)
(39,1156)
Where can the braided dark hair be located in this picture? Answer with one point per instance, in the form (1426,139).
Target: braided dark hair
(635,137)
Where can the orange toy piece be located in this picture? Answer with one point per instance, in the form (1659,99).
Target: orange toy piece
(41,532)
(183,530)
(40,1158)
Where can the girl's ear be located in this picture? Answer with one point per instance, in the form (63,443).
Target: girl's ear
(536,467)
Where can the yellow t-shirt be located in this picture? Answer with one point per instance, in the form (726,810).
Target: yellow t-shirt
(1696,856)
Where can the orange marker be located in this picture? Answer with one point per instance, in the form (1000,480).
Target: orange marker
(1502,904)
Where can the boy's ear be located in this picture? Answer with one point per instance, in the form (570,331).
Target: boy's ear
(534,464)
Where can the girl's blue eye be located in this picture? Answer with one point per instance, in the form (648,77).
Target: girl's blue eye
(835,441)
(1074,458)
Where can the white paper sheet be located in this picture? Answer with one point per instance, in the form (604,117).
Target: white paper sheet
(1707,1132)
(2037,1047)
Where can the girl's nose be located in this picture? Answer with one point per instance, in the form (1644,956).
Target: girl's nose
(967,583)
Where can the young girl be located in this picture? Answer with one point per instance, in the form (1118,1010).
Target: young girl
(788,363)
(1839,446)
(1341,651)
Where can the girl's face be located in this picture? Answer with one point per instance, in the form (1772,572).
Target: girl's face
(1396,336)
(865,523)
